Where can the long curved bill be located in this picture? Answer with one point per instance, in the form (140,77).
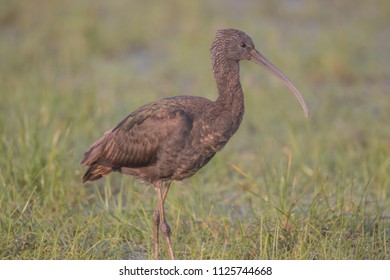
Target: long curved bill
(259,59)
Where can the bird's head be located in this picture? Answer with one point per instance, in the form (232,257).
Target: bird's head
(234,45)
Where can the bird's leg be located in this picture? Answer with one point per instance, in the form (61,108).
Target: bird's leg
(159,216)
(165,228)
(156,215)
(156,220)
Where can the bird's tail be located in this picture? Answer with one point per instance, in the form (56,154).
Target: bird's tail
(95,172)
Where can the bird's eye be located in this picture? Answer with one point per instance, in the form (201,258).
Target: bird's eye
(243,45)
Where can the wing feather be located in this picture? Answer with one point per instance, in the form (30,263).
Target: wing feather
(136,140)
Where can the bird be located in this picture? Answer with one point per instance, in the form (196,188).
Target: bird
(172,138)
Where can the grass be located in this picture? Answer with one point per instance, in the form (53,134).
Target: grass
(283,188)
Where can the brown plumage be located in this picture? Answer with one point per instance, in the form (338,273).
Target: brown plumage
(171,139)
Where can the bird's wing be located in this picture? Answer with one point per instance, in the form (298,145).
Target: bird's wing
(135,141)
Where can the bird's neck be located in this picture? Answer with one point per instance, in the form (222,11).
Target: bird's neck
(230,95)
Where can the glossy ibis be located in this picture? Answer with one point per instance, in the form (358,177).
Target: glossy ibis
(172,138)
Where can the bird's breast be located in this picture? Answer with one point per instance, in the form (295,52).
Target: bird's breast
(211,137)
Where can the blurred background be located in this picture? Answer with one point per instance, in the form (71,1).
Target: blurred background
(71,70)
